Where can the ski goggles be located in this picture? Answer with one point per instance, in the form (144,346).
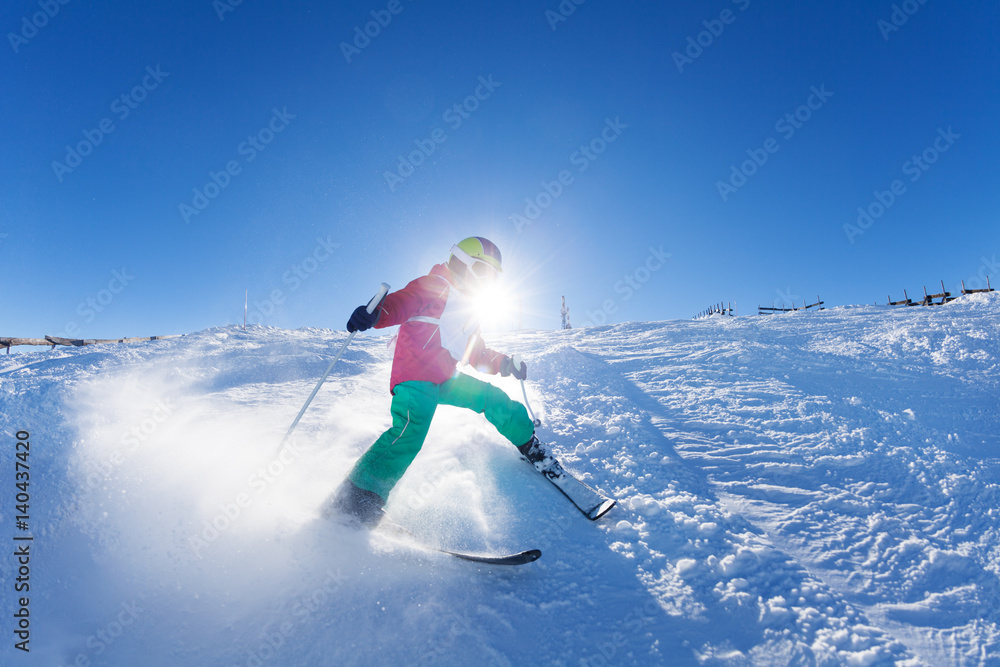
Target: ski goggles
(481,269)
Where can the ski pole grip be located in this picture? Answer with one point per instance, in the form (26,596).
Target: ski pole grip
(377,299)
(516,360)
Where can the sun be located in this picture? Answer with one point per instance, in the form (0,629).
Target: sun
(494,307)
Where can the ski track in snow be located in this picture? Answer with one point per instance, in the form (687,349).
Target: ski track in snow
(802,489)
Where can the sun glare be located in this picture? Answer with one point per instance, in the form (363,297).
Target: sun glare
(495,308)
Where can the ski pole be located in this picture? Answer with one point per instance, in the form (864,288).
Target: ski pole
(516,359)
(372,305)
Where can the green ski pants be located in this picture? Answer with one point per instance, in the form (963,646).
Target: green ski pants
(413,406)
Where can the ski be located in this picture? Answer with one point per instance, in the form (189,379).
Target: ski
(519,558)
(585,498)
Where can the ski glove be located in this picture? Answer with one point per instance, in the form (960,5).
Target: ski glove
(507,367)
(362,320)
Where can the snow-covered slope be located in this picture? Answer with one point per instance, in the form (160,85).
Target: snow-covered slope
(811,488)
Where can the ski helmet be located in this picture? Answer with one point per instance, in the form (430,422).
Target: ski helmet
(475,252)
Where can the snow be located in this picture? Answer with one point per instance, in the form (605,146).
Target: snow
(808,488)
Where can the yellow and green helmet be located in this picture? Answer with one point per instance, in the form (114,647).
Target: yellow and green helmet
(475,250)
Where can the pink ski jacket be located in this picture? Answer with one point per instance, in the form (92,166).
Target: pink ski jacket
(438,331)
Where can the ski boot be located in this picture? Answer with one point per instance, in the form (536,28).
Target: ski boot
(357,506)
(588,500)
(538,455)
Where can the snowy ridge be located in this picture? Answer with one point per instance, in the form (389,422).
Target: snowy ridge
(810,488)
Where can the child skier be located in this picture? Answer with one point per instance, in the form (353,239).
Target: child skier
(438,334)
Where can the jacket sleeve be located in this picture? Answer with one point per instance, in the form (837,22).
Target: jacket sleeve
(401,305)
(483,359)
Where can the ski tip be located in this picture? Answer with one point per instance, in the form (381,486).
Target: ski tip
(601,510)
(521,558)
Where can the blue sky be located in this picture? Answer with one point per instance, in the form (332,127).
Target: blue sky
(642,110)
